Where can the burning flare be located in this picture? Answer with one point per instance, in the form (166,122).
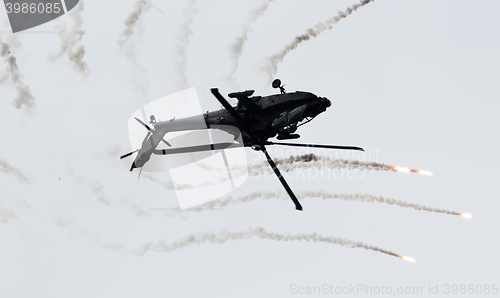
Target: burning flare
(466,215)
(409,259)
(423,172)
(401,169)
(408,170)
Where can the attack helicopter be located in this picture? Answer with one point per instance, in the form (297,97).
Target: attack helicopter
(256,119)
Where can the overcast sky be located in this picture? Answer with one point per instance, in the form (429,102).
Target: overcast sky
(415,83)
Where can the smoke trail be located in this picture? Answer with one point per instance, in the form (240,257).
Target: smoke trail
(258,232)
(299,162)
(3,78)
(140,80)
(304,162)
(371,199)
(362,198)
(184,186)
(273,61)
(301,195)
(266,195)
(286,165)
(311,161)
(6,214)
(167,185)
(185,34)
(98,191)
(237,46)
(24,98)
(70,39)
(308,161)
(141,7)
(140,73)
(8,169)
(63,222)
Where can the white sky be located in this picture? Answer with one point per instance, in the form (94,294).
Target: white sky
(415,82)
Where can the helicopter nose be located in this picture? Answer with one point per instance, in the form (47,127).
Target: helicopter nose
(326,102)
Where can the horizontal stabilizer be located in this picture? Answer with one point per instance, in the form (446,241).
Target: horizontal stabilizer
(128,154)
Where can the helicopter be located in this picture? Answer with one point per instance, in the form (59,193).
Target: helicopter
(255,119)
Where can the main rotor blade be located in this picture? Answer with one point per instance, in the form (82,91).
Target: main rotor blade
(230,109)
(282,180)
(249,104)
(144,124)
(317,146)
(198,148)
(128,154)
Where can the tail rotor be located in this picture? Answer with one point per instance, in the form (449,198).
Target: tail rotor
(150,130)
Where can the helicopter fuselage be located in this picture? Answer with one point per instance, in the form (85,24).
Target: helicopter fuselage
(273,115)
(261,118)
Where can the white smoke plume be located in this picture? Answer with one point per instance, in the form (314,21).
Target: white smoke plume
(367,198)
(150,177)
(266,195)
(7,168)
(98,191)
(273,61)
(3,78)
(140,79)
(63,222)
(140,8)
(362,198)
(24,98)
(6,214)
(308,161)
(286,165)
(70,39)
(225,236)
(183,186)
(312,161)
(301,195)
(237,46)
(185,34)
